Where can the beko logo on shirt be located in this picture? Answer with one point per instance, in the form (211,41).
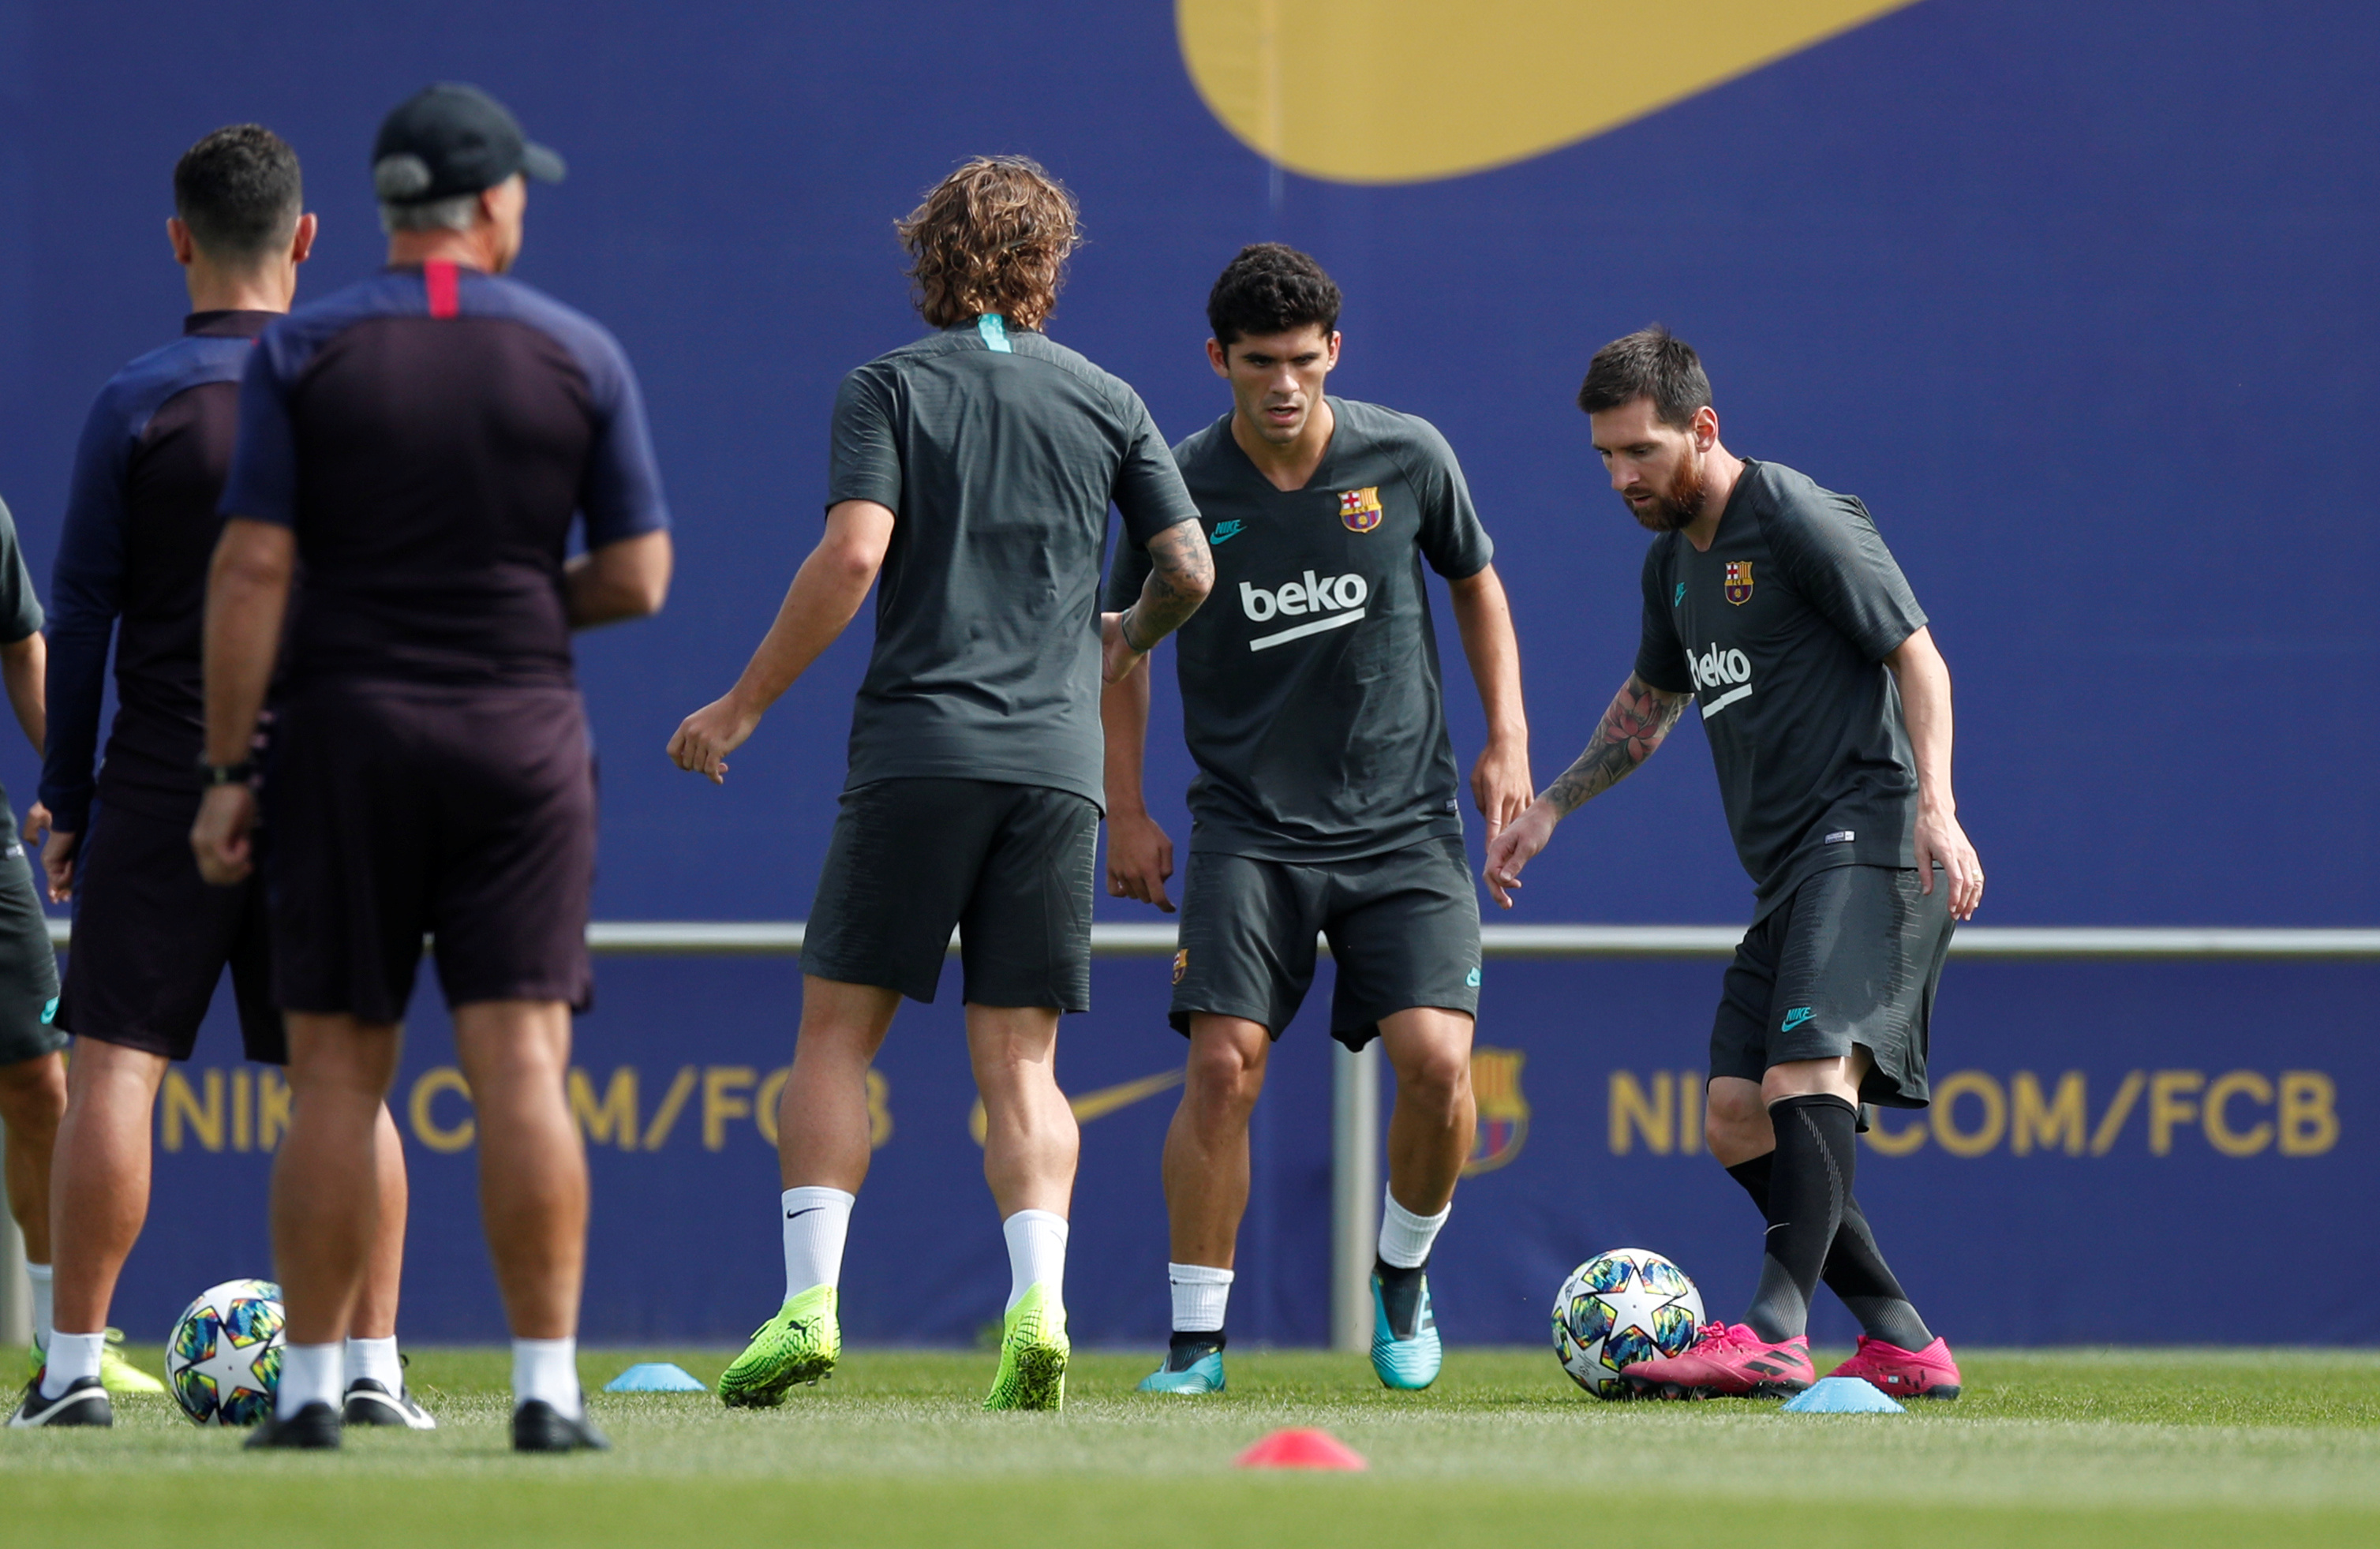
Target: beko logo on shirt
(1728,669)
(1340,598)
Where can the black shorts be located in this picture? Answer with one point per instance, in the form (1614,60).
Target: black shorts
(151,940)
(29,969)
(1852,958)
(466,814)
(1010,866)
(1404,929)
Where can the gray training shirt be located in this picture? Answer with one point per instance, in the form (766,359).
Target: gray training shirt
(1310,691)
(999,452)
(1780,631)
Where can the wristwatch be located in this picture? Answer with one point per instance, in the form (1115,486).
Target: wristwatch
(212,775)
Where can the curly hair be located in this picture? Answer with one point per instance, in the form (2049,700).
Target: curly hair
(994,236)
(1270,288)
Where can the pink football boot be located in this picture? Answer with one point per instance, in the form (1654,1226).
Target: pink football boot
(1726,1361)
(1926,1373)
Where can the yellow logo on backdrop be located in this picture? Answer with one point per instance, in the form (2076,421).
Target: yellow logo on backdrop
(436,1108)
(1406,91)
(1974,1113)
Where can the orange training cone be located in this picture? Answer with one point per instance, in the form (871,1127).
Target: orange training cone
(1302,1449)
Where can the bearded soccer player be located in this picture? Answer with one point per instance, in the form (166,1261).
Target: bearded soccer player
(422,442)
(973,469)
(1326,797)
(1773,605)
(151,939)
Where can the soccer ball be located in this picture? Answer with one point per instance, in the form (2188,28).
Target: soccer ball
(1627,1306)
(224,1359)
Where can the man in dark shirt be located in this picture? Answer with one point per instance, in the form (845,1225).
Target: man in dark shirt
(1325,800)
(974,469)
(422,442)
(32,1072)
(1774,605)
(151,939)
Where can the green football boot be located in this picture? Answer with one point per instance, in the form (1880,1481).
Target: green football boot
(1202,1373)
(120,1376)
(1406,1350)
(801,1344)
(1033,1351)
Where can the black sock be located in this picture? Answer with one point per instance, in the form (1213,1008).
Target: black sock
(1190,1347)
(1401,1296)
(1855,1268)
(1809,1182)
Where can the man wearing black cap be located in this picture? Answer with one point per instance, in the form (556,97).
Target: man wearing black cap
(420,442)
(151,939)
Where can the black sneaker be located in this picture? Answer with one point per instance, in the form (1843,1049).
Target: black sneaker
(368,1403)
(314,1427)
(538,1427)
(83,1403)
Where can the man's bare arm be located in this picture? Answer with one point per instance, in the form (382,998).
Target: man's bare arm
(1181,572)
(1639,718)
(1925,680)
(24,664)
(1140,853)
(825,595)
(1500,783)
(627,579)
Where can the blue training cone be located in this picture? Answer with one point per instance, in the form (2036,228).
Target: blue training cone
(1842,1396)
(663,1376)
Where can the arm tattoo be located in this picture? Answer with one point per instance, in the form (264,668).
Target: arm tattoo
(1639,718)
(1180,574)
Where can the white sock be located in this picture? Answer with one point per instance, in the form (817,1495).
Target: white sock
(374,1359)
(70,1356)
(817,1220)
(548,1369)
(1036,1253)
(1200,1292)
(309,1374)
(1406,1237)
(40,1275)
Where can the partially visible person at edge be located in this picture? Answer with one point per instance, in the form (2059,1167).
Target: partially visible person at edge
(152,938)
(973,469)
(1327,797)
(1773,605)
(421,443)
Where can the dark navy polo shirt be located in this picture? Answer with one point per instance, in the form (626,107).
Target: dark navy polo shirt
(140,528)
(430,434)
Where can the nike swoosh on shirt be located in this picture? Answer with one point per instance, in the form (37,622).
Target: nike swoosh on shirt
(1225,532)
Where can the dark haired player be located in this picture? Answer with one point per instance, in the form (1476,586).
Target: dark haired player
(974,469)
(151,939)
(1326,798)
(1774,605)
(423,442)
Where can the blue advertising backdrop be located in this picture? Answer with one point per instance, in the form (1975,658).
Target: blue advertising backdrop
(2076,296)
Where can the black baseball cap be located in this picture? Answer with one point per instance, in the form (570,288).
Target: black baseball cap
(450,140)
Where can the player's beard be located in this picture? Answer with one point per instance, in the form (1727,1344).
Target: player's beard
(1675,509)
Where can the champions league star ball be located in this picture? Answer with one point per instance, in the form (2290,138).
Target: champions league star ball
(1624,1306)
(224,1359)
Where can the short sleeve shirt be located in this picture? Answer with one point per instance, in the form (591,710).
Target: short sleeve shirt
(998,453)
(432,434)
(1311,695)
(1780,630)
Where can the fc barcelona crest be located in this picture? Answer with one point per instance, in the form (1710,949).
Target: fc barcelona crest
(1739,582)
(1503,1112)
(1360,509)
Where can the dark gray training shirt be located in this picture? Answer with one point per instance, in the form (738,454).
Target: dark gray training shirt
(1310,692)
(999,452)
(1780,631)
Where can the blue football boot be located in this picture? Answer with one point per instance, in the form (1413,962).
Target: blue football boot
(1194,1365)
(1405,1350)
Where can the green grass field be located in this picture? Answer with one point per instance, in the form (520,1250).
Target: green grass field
(2095,1447)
